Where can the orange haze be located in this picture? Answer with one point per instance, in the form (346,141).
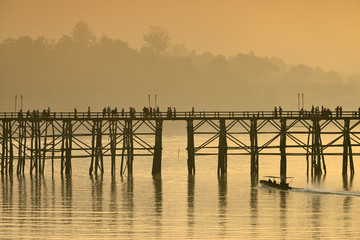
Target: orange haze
(321,33)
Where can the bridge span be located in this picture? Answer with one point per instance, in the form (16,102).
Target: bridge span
(34,140)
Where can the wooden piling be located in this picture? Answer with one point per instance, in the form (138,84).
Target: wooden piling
(308,152)
(222,157)
(44,146)
(52,147)
(3,148)
(347,149)
(66,147)
(97,160)
(38,135)
(156,167)
(11,148)
(254,166)
(21,146)
(127,156)
(113,134)
(20,140)
(283,149)
(34,147)
(7,148)
(93,134)
(63,147)
(190,147)
(317,155)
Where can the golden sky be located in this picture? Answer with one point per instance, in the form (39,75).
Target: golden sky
(321,33)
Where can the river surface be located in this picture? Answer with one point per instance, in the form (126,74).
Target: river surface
(175,206)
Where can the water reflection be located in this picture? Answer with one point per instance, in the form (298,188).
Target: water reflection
(347,183)
(190,204)
(35,192)
(222,186)
(318,180)
(283,210)
(158,204)
(347,202)
(7,192)
(113,200)
(316,216)
(127,207)
(254,211)
(97,194)
(254,180)
(22,198)
(66,196)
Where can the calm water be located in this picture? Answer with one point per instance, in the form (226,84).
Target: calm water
(176,206)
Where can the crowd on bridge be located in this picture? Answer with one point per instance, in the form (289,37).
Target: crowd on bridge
(171,112)
(35,113)
(316,111)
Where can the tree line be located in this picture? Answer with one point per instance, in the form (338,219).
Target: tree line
(80,70)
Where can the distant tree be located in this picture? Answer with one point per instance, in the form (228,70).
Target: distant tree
(64,42)
(24,42)
(9,41)
(43,43)
(157,40)
(179,50)
(300,73)
(82,34)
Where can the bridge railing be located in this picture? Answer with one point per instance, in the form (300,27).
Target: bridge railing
(180,114)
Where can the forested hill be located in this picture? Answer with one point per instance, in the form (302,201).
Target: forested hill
(81,70)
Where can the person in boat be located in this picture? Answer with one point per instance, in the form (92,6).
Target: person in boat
(269,180)
(274,181)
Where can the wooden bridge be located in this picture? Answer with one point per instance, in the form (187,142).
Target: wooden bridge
(35,140)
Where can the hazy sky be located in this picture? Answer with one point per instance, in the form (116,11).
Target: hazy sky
(321,33)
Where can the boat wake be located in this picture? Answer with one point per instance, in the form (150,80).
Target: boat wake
(309,189)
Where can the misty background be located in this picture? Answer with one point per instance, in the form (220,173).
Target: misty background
(81,69)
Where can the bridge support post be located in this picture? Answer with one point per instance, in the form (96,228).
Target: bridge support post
(97,154)
(127,156)
(317,155)
(4,144)
(22,147)
(113,131)
(66,147)
(7,157)
(347,150)
(35,157)
(190,147)
(254,170)
(283,150)
(44,150)
(156,167)
(52,147)
(222,158)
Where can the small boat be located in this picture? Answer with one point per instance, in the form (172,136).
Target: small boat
(281,183)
